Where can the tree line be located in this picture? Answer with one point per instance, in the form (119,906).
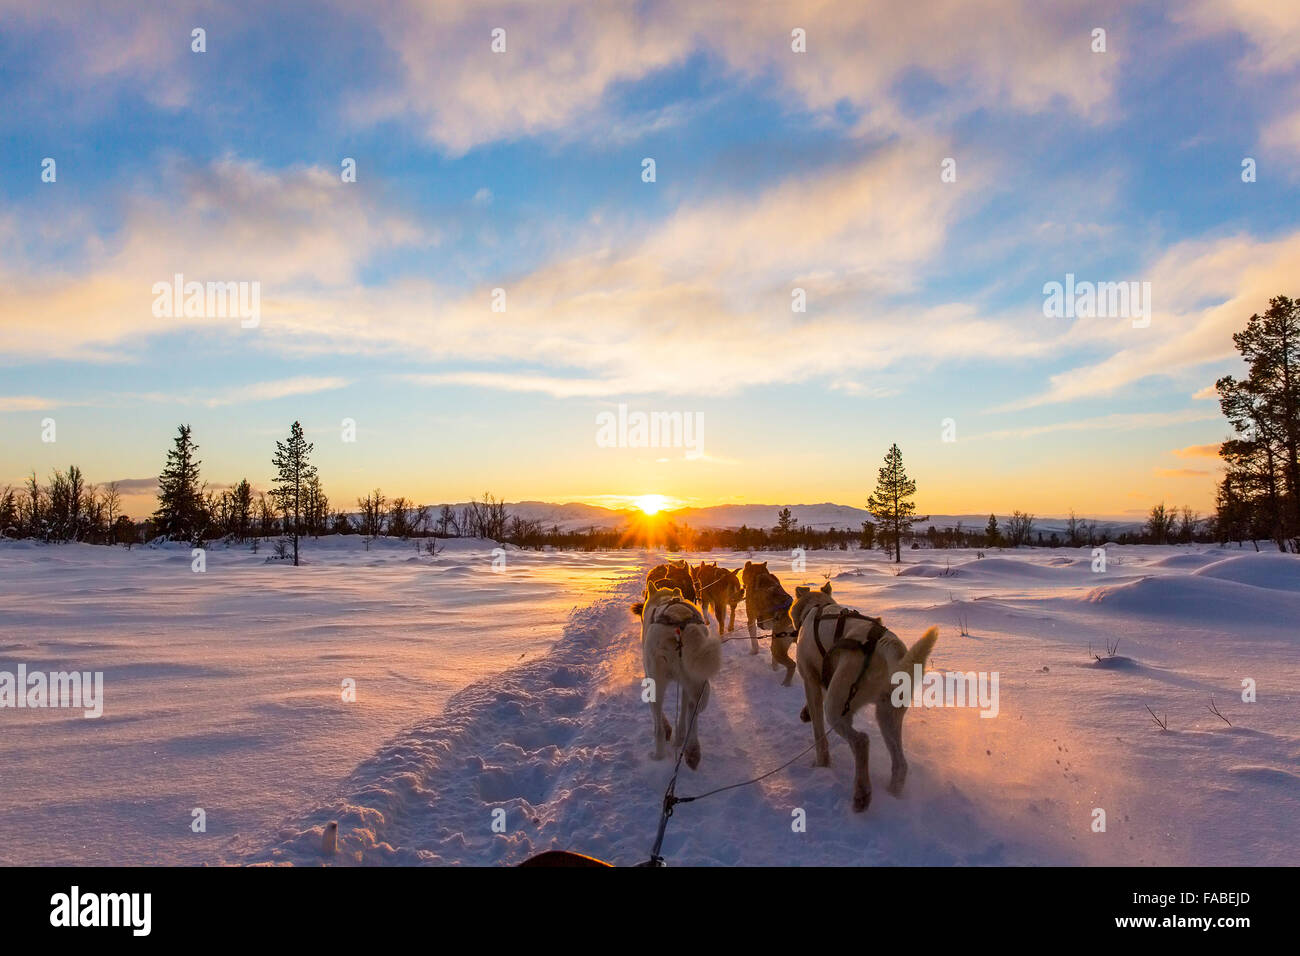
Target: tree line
(68,508)
(1257,499)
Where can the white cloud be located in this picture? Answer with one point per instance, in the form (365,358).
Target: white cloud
(565,59)
(231,220)
(1203,291)
(1122,421)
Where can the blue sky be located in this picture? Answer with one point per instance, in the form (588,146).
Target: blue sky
(522,170)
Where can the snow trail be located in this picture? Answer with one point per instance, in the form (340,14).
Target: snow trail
(558,752)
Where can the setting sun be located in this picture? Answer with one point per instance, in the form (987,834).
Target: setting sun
(651,504)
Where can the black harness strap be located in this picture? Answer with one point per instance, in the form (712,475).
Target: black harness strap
(867,646)
(696,617)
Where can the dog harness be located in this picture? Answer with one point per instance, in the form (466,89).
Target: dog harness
(867,647)
(696,617)
(769,621)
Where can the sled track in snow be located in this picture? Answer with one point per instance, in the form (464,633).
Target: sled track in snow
(503,751)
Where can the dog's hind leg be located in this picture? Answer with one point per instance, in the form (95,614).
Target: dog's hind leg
(859,742)
(694,704)
(694,701)
(890,719)
(662,729)
(812,690)
(731,625)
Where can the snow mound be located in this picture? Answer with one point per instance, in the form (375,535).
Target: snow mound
(1279,572)
(1014,567)
(1196,601)
(1180,562)
(927,569)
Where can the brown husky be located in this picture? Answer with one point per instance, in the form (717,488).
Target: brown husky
(720,589)
(675,574)
(767,605)
(848,661)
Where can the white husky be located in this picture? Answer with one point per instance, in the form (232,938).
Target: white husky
(676,646)
(848,661)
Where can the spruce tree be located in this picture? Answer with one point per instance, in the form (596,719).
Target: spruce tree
(890,505)
(294,473)
(180,497)
(242,509)
(991,532)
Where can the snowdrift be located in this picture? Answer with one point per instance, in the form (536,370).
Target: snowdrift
(1201,600)
(1275,571)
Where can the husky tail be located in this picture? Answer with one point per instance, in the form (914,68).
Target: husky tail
(701,651)
(919,652)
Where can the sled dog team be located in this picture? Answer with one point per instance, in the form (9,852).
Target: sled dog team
(846,659)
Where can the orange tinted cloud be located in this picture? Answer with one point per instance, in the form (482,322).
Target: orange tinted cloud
(1198,451)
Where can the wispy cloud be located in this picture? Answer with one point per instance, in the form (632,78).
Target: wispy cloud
(268,391)
(1124,421)
(1009,54)
(229,395)
(1202,291)
(1198,451)
(287,229)
(26,403)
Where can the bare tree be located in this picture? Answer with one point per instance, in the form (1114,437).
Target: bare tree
(1019,527)
(112,509)
(447,525)
(372,513)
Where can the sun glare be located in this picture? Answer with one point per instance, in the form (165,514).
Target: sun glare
(651,504)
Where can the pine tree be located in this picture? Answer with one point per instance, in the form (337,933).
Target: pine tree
(8,512)
(294,473)
(1263,461)
(889,504)
(785,521)
(786,524)
(991,532)
(242,509)
(180,497)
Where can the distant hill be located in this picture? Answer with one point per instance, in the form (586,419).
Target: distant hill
(577,516)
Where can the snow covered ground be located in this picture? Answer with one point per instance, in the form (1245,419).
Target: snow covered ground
(513,697)
(223,690)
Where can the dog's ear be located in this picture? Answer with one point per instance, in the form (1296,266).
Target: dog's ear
(801,591)
(826,588)
(747,565)
(763,565)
